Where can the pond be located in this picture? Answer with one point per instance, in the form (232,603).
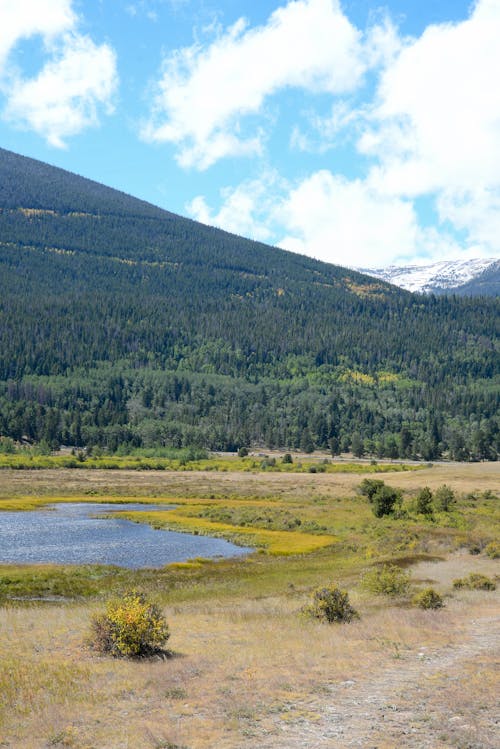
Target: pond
(67,533)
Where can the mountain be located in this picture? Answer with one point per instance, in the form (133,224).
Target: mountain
(123,325)
(485,283)
(471,277)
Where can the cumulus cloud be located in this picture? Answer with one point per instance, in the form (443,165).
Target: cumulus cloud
(431,130)
(331,218)
(206,92)
(336,220)
(77,80)
(438,110)
(246,210)
(475,211)
(21,19)
(435,124)
(351,223)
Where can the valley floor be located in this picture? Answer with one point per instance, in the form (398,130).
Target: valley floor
(247,670)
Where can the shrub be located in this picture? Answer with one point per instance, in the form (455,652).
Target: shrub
(243,452)
(130,627)
(268,463)
(387,580)
(330,604)
(488,494)
(369,487)
(287,458)
(493,550)
(444,498)
(475,581)
(428,599)
(424,501)
(383,499)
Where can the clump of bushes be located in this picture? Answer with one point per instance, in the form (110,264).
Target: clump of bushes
(428,599)
(383,499)
(331,604)
(131,627)
(475,581)
(287,459)
(387,580)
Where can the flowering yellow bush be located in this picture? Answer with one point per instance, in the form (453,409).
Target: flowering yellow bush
(130,627)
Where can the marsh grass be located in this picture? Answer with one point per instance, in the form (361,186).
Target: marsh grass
(274,542)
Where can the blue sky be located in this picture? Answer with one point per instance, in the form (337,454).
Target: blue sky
(360,133)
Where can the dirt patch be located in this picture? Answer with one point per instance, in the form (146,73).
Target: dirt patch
(428,699)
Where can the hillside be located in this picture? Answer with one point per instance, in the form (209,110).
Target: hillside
(126,325)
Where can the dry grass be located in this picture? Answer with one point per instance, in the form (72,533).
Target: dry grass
(247,669)
(239,671)
(462,477)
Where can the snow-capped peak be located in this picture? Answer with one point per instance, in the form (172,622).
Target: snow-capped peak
(446,274)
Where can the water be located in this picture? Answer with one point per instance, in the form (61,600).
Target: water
(66,533)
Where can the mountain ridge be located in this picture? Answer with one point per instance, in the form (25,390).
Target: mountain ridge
(124,324)
(443,277)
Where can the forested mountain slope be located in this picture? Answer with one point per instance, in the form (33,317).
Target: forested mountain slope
(121,323)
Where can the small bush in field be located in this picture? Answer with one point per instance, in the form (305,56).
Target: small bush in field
(423,503)
(130,627)
(475,581)
(369,487)
(428,599)
(493,550)
(287,459)
(383,499)
(387,580)
(330,604)
(444,498)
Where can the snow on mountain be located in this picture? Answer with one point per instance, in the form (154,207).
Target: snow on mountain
(446,274)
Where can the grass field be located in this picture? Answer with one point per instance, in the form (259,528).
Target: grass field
(247,669)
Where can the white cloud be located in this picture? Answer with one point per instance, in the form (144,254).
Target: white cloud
(344,222)
(432,130)
(326,132)
(246,210)
(437,112)
(477,212)
(21,19)
(350,223)
(63,98)
(78,78)
(205,93)
(435,127)
(331,218)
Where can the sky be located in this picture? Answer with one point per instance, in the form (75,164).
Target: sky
(361,133)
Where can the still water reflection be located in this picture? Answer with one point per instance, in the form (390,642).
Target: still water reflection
(67,533)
